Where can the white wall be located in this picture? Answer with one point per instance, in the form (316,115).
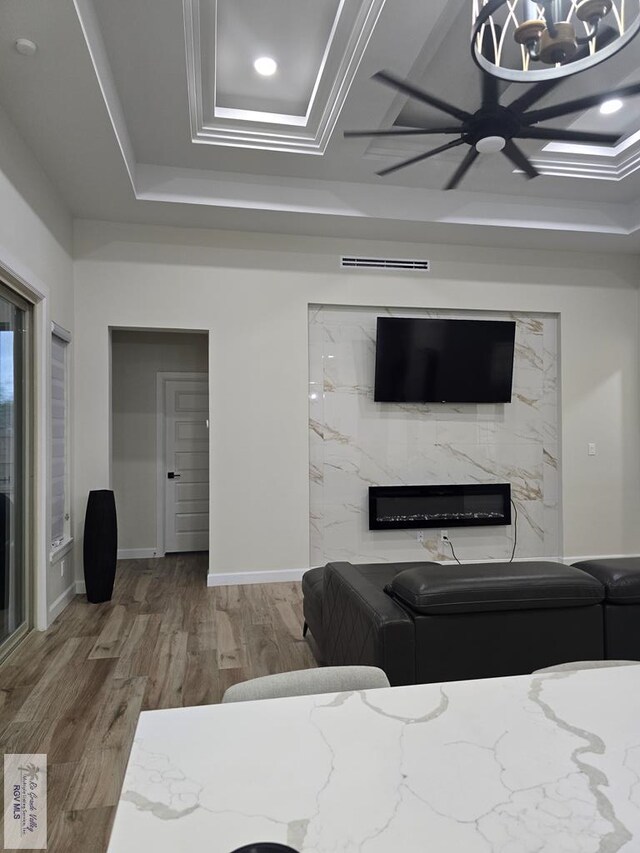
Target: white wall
(251,292)
(136,359)
(35,246)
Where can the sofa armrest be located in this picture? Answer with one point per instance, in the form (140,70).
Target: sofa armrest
(363,626)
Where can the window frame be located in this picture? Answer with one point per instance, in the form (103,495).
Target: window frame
(17,298)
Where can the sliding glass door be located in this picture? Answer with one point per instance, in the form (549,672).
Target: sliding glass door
(14,576)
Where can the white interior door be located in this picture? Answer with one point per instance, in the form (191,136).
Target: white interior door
(186,456)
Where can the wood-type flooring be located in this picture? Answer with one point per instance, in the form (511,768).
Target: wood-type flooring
(165,640)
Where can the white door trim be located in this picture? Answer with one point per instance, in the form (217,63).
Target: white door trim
(161,379)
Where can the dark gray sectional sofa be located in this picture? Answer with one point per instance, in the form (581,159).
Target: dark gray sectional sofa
(620,578)
(426,622)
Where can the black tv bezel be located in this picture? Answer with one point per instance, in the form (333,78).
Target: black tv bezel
(493,400)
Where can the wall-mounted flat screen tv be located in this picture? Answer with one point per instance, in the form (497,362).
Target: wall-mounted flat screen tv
(420,360)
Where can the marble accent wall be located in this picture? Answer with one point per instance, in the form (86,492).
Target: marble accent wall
(355,443)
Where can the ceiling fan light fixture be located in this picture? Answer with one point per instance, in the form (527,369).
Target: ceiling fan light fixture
(496,127)
(265,66)
(527,41)
(528,35)
(593,11)
(559,46)
(613,105)
(490,144)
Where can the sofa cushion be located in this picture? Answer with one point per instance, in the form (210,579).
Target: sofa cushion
(620,577)
(477,587)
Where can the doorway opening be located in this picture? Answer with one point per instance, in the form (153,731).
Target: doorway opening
(160,441)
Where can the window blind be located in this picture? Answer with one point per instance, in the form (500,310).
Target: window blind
(58,438)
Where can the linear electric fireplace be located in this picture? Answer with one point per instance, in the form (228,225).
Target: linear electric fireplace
(403,507)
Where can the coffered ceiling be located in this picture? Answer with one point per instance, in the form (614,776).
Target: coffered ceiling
(151,111)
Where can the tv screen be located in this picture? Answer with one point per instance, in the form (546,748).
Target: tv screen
(444,361)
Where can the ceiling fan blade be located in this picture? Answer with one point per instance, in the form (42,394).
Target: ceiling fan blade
(519,160)
(535,93)
(561,135)
(419,94)
(420,157)
(400,131)
(580,104)
(463,168)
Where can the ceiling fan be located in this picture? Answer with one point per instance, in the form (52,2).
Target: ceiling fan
(494,127)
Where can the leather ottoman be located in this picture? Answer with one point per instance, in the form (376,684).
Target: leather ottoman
(620,577)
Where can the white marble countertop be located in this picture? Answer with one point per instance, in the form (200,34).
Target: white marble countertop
(531,763)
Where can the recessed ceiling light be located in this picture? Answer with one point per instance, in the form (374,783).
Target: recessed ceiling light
(26,47)
(266,66)
(612,106)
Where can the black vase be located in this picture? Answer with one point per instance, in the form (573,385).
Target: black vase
(100,545)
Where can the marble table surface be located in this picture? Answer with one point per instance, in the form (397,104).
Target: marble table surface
(530,763)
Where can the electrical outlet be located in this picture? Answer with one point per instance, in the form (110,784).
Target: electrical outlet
(61,568)
(444,535)
(420,536)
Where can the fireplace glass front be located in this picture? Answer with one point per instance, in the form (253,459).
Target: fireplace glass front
(474,505)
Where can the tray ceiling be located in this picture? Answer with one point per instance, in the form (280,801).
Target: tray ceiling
(163,94)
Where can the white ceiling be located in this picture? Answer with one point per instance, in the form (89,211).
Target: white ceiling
(149,111)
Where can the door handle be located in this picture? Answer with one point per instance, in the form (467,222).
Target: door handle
(171,475)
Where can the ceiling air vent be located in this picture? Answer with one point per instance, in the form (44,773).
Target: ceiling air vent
(352,262)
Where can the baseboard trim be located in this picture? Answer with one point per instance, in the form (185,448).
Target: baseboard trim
(571,560)
(242,578)
(289,575)
(136,553)
(56,607)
